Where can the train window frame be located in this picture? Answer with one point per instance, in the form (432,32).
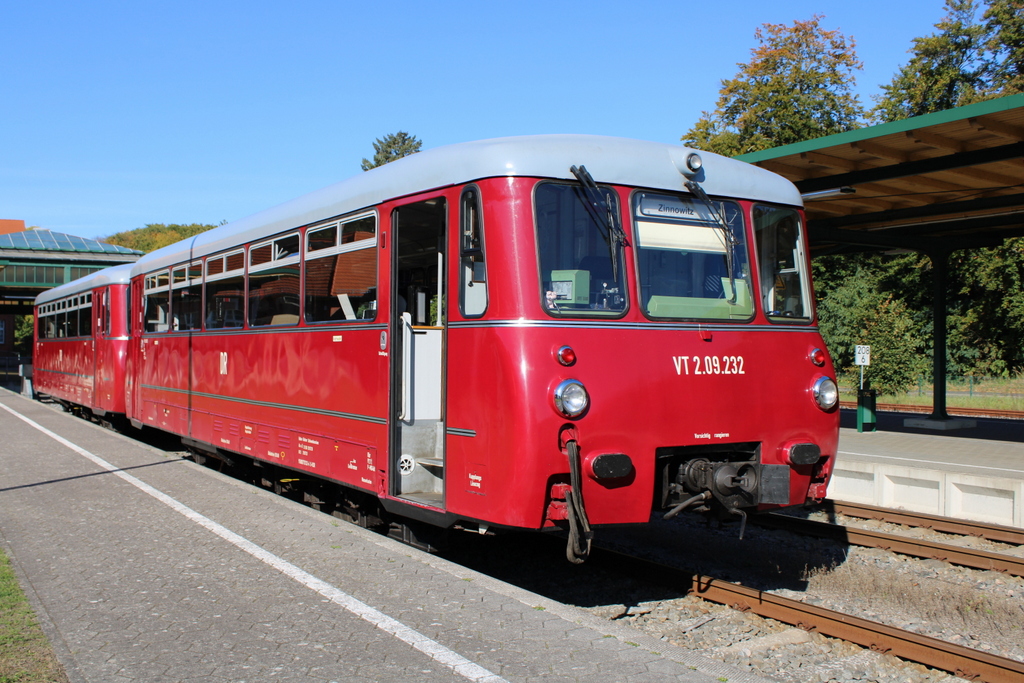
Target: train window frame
(71,318)
(472,254)
(571,279)
(278,256)
(678,307)
(106,322)
(85,326)
(768,270)
(187,277)
(156,299)
(214,274)
(345,247)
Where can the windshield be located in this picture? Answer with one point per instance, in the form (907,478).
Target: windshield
(784,281)
(581,271)
(683,253)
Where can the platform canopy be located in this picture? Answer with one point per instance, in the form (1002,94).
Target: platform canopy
(948,180)
(32,261)
(933,184)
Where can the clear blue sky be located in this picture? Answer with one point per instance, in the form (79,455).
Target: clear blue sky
(118,114)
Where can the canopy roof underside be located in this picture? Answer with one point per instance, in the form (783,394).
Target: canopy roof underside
(949,180)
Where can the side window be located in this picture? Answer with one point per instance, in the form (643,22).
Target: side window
(187,297)
(157,297)
(472,271)
(106,312)
(62,319)
(341,270)
(72,320)
(225,291)
(783,266)
(274,282)
(51,321)
(85,316)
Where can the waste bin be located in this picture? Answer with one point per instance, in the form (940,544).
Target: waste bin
(866,410)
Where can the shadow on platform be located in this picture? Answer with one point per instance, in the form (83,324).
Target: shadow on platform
(992,429)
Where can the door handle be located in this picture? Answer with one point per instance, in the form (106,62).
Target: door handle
(407,341)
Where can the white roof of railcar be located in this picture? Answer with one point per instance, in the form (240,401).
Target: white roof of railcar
(610,160)
(117,275)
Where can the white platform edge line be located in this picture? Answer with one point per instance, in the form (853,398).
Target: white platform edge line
(436,651)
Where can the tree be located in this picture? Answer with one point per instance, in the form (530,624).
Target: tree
(1004,45)
(23,334)
(946,69)
(986,311)
(156,235)
(391,147)
(798,85)
(853,309)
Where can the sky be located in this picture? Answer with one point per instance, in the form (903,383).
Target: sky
(116,114)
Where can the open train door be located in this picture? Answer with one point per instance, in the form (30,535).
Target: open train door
(418,327)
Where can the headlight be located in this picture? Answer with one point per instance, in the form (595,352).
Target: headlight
(694,162)
(571,398)
(826,393)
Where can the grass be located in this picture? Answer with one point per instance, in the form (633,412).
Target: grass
(25,653)
(992,393)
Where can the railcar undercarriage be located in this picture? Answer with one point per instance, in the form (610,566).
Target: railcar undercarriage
(337,500)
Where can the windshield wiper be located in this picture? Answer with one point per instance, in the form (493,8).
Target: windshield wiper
(730,239)
(614,234)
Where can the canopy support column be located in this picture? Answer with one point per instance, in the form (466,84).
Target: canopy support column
(939,419)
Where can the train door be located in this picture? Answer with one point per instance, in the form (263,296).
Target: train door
(97,344)
(418,358)
(100,362)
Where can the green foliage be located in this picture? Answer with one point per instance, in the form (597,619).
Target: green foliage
(986,312)
(156,235)
(797,86)
(945,70)
(965,61)
(853,309)
(888,300)
(1004,44)
(391,147)
(23,328)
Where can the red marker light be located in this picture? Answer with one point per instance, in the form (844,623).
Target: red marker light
(818,357)
(566,356)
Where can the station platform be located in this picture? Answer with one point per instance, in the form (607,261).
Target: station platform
(975,474)
(143,566)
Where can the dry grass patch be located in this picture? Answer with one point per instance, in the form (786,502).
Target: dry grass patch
(905,598)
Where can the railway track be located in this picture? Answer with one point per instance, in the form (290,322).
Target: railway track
(962,412)
(932,652)
(949,525)
(915,547)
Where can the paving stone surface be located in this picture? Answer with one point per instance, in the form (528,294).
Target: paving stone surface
(130,589)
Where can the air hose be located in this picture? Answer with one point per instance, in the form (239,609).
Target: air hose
(699,498)
(580,534)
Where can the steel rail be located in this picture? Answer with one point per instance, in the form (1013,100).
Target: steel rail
(915,547)
(948,525)
(939,654)
(952,410)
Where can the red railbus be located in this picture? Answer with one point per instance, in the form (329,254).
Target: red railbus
(81,342)
(549,331)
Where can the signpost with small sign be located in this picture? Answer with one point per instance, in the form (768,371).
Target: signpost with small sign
(865,399)
(862,357)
